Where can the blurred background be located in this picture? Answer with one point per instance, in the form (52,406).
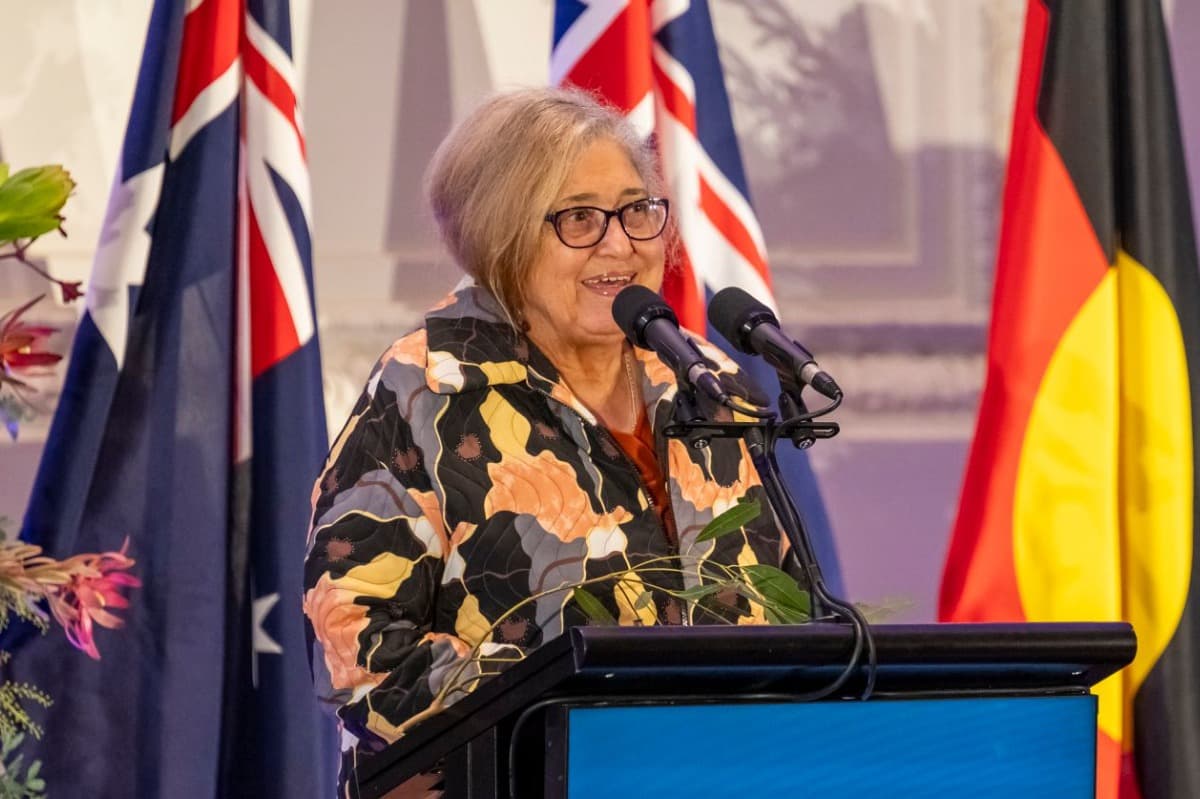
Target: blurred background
(874,134)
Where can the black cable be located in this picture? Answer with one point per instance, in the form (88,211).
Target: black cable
(784,428)
(863,637)
(793,523)
(747,408)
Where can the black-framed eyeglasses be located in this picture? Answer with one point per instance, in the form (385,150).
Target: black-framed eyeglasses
(584,225)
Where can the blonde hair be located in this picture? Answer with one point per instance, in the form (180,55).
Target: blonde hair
(495,176)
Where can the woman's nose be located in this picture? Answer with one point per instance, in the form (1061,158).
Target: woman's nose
(615,241)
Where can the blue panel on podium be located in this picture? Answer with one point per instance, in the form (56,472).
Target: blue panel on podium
(1006,748)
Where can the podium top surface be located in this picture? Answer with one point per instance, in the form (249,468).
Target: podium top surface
(684,664)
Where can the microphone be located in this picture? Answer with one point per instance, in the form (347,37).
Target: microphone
(752,328)
(648,322)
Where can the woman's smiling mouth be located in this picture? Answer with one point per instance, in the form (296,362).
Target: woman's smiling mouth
(609,283)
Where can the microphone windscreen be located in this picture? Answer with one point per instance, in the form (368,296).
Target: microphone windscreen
(729,311)
(635,306)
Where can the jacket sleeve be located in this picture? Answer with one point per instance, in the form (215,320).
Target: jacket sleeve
(374,564)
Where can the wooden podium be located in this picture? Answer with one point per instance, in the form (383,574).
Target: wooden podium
(985,710)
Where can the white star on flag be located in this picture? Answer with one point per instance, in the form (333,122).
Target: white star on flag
(262,641)
(120,260)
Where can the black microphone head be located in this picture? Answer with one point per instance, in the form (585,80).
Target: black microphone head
(734,312)
(636,306)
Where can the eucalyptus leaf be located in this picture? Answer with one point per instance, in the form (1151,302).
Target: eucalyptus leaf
(884,609)
(779,593)
(30,201)
(773,617)
(698,592)
(744,512)
(644,600)
(592,607)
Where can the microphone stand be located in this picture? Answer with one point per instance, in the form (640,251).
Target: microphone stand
(790,517)
(803,434)
(761,437)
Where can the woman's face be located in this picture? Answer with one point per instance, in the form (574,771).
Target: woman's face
(568,302)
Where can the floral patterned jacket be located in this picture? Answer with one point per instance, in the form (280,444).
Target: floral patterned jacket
(467,479)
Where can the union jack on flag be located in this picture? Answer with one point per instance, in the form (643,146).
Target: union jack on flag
(192,422)
(657,61)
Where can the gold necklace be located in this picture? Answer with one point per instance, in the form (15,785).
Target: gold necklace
(633,403)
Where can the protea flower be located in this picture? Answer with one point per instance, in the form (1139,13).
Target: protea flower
(90,593)
(20,345)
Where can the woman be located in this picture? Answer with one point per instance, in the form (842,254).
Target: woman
(513,443)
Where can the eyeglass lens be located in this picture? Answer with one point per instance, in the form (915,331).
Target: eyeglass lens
(641,220)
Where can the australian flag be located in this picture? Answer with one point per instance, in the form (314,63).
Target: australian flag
(192,424)
(658,62)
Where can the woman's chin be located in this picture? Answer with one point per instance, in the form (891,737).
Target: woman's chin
(598,332)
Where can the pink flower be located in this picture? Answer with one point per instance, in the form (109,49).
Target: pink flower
(19,344)
(91,591)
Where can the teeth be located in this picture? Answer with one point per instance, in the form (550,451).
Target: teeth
(608,280)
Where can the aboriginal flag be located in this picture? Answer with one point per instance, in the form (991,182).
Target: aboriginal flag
(1079,493)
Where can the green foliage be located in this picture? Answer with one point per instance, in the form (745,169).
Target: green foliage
(886,608)
(592,607)
(30,201)
(741,514)
(715,599)
(14,784)
(699,592)
(782,600)
(14,718)
(16,601)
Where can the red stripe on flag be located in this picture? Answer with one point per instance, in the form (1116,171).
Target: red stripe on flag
(1116,775)
(677,103)
(272,332)
(679,290)
(1050,261)
(208,49)
(617,65)
(273,86)
(731,227)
